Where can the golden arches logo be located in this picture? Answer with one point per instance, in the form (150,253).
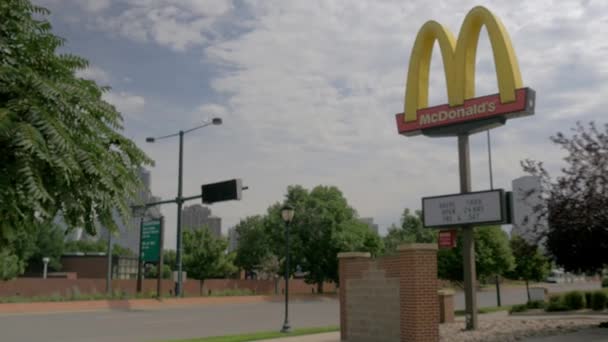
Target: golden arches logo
(459,66)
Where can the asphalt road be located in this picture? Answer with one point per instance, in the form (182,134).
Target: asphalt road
(518,295)
(209,320)
(164,324)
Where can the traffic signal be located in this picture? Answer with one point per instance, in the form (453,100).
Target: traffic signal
(222,191)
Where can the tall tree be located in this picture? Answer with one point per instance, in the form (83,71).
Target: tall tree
(530,263)
(492,251)
(205,256)
(49,242)
(61,147)
(324,225)
(411,231)
(577,200)
(254,243)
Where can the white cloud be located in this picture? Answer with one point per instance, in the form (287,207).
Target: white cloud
(310,89)
(177,24)
(94,73)
(321,80)
(94,6)
(128,104)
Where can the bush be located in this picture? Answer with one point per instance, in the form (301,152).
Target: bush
(574,300)
(552,307)
(556,303)
(232,292)
(605,282)
(555,299)
(518,308)
(599,300)
(537,304)
(588,299)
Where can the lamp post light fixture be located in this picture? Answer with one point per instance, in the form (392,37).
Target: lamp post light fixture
(287,213)
(45,261)
(180,199)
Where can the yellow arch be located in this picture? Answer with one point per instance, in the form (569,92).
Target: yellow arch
(459,61)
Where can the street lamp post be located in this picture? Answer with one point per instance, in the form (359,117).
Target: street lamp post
(45,261)
(287,213)
(179,200)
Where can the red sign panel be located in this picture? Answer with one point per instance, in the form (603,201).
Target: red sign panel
(478,108)
(447,239)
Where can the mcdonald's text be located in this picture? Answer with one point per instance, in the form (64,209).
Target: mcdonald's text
(479,108)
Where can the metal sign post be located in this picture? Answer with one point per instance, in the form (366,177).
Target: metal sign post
(150,242)
(159,282)
(468,248)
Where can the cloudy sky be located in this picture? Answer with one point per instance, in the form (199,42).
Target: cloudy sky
(308,91)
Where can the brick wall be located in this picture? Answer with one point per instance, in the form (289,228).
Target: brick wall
(30,287)
(392,298)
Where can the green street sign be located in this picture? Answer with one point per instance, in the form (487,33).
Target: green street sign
(150,241)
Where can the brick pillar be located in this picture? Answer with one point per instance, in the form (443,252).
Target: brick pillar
(418,293)
(446,306)
(351,264)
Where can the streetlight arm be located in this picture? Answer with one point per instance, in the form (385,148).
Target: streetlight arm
(197,127)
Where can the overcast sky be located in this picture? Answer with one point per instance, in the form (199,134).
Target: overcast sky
(308,91)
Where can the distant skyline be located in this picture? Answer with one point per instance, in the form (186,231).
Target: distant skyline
(308,90)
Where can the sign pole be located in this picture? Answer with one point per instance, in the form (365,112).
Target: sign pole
(464,162)
(159,282)
(139,259)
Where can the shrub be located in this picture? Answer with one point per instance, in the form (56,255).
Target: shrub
(588,299)
(574,300)
(537,304)
(552,307)
(605,282)
(599,300)
(518,308)
(555,299)
(232,292)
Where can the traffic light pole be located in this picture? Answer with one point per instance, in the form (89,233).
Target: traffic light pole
(180,202)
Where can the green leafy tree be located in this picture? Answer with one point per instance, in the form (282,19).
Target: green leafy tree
(10,265)
(170,259)
(49,242)
(254,243)
(119,250)
(86,246)
(411,231)
(323,226)
(575,204)
(530,263)
(205,256)
(152,272)
(61,147)
(493,255)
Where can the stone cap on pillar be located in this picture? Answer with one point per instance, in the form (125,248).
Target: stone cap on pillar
(350,255)
(418,246)
(446,292)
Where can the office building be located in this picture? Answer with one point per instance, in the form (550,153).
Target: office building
(369,221)
(197,216)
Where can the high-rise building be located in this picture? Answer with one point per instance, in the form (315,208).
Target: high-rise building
(233,239)
(369,221)
(527,202)
(128,232)
(197,216)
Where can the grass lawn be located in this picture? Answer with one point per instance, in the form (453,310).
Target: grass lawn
(486,310)
(262,335)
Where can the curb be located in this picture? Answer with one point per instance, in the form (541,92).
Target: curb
(145,304)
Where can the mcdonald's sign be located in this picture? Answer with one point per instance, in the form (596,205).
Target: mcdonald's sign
(464,112)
